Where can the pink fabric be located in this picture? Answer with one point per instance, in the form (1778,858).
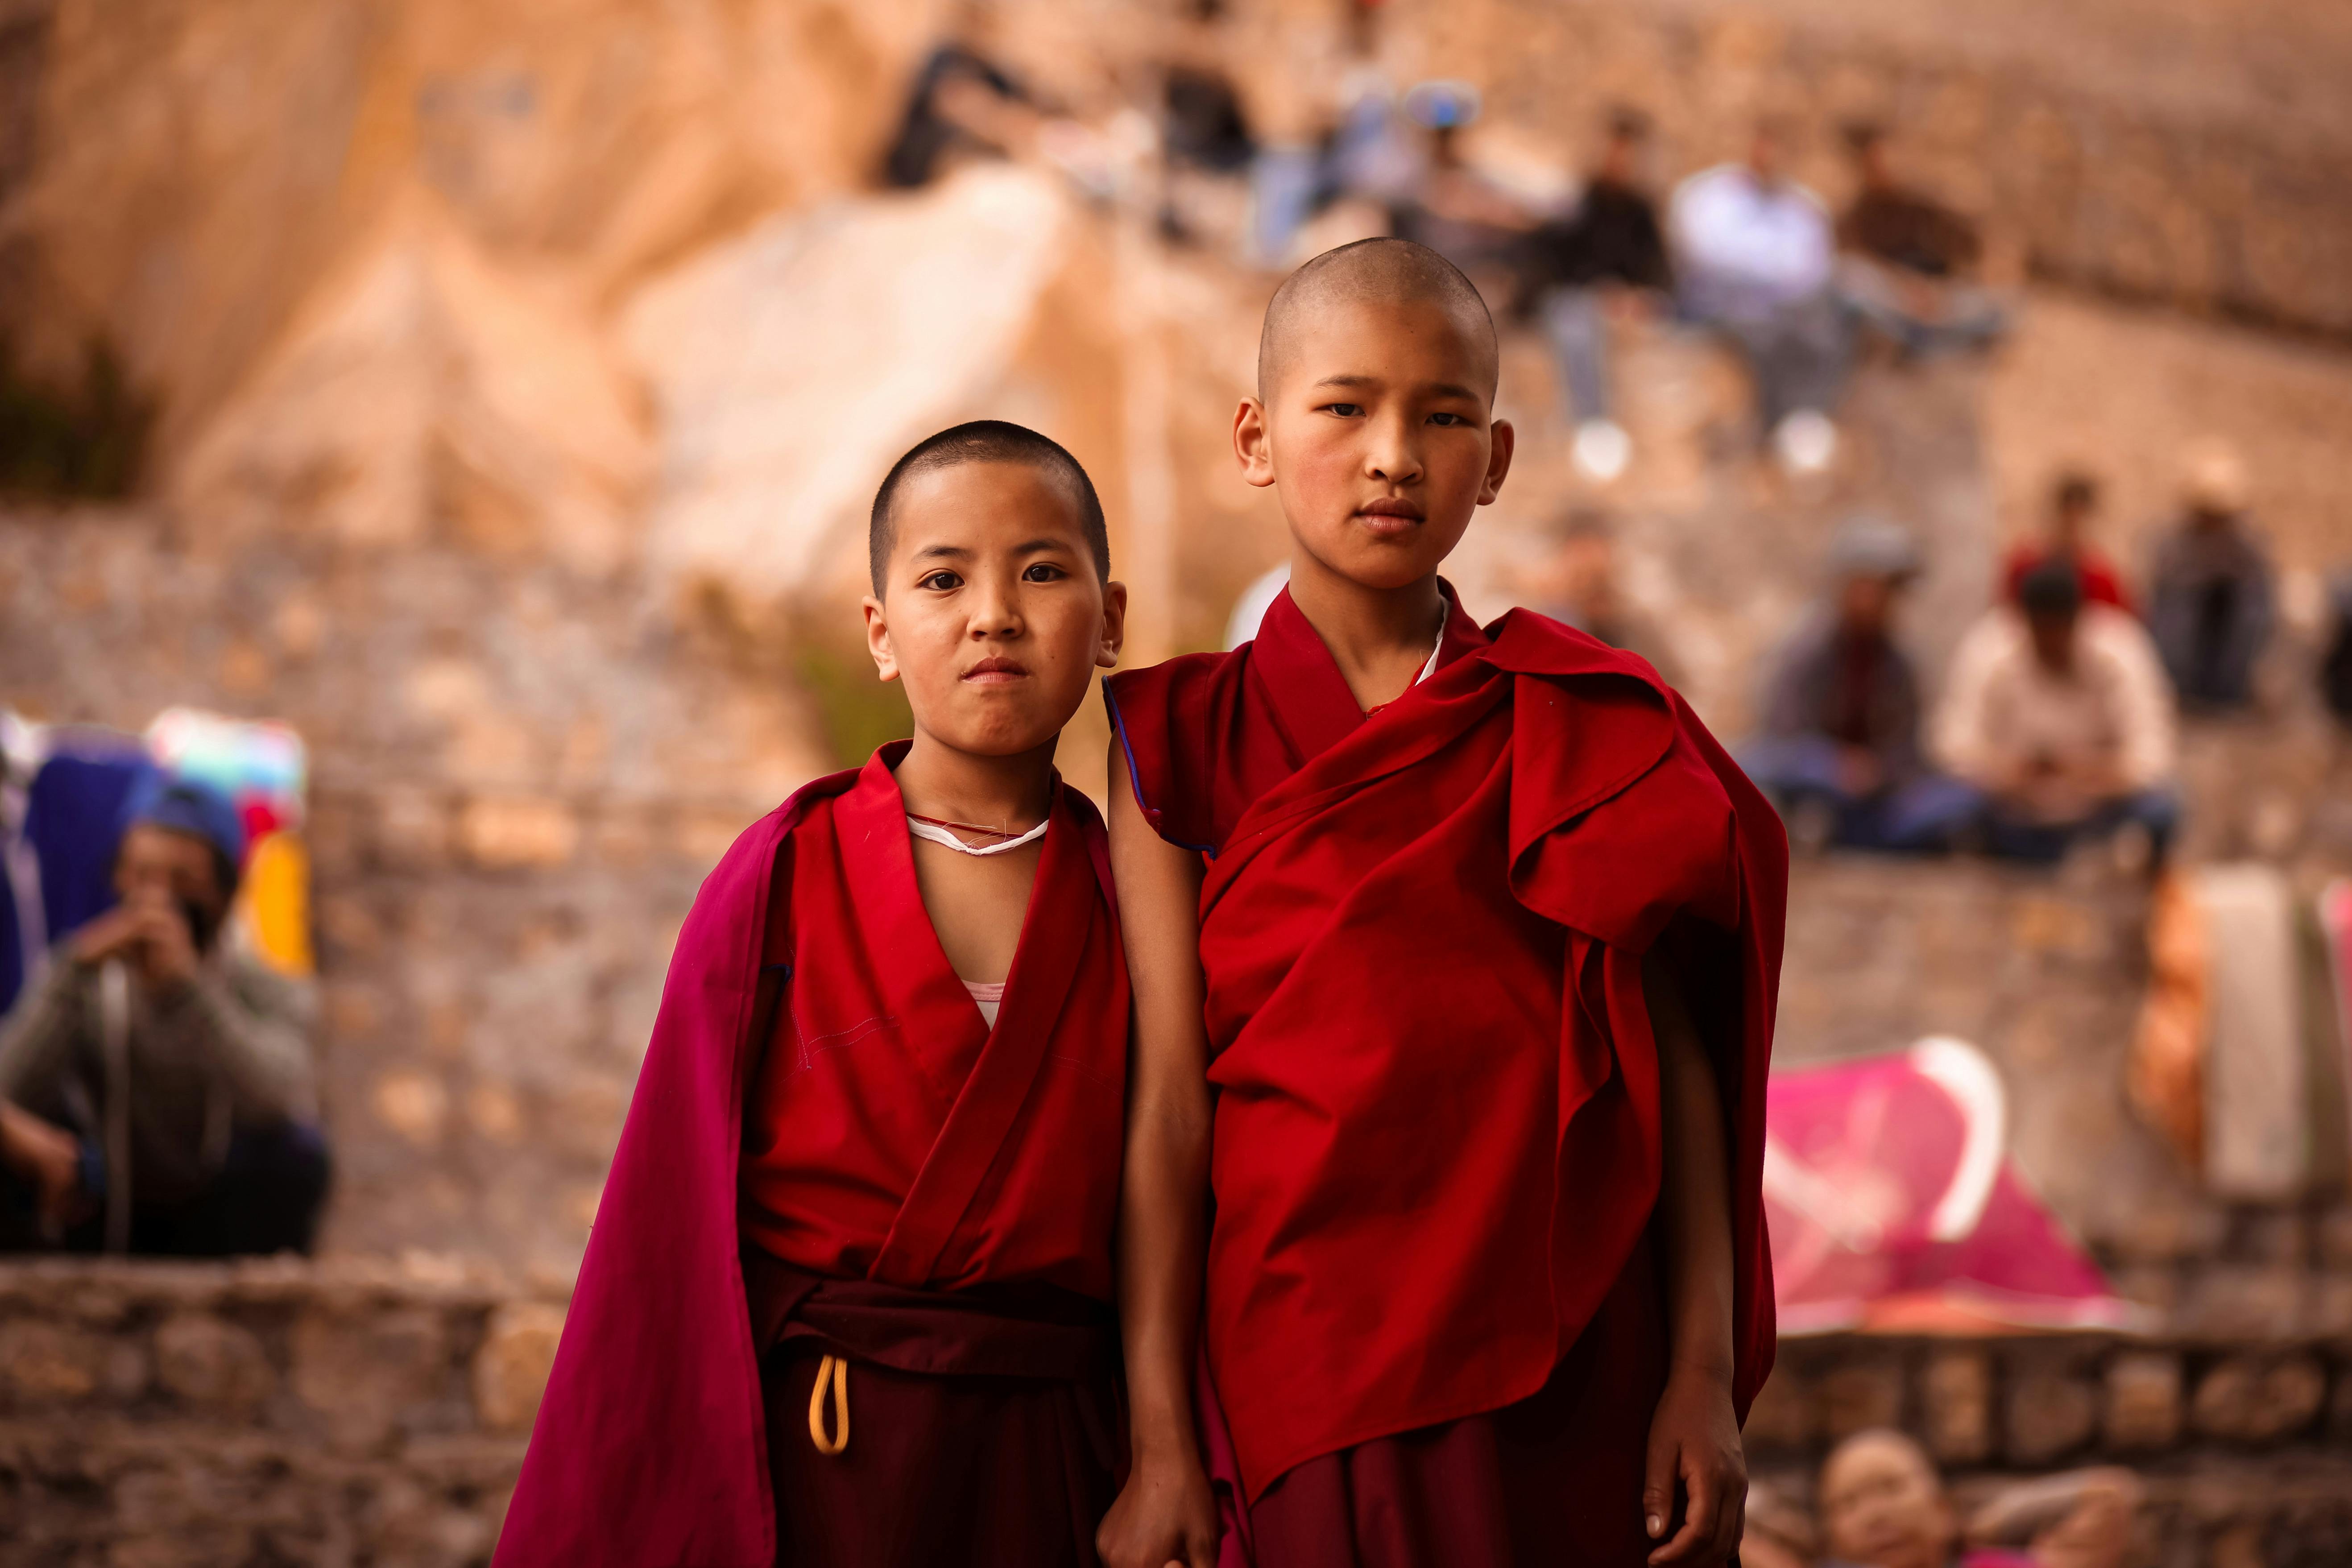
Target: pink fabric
(655,1378)
(1893,1204)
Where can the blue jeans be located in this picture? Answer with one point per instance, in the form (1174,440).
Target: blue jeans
(2045,843)
(1577,322)
(1922,815)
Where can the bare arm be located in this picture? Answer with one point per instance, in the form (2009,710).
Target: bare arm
(1166,1514)
(1695,1436)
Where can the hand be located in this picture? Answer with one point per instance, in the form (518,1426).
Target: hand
(167,948)
(46,1155)
(1166,1517)
(1694,1440)
(110,935)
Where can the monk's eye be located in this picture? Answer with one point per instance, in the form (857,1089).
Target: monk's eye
(1344,410)
(1448,420)
(1043,572)
(941,582)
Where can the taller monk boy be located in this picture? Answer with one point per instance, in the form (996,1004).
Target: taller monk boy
(848,1301)
(1465,944)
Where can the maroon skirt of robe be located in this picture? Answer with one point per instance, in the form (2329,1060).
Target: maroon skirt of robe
(1554,1480)
(984,1425)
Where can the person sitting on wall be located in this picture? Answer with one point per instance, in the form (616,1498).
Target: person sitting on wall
(2212,595)
(1884,1506)
(962,104)
(2073,504)
(1840,751)
(1754,262)
(1577,587)
(156,1086)
(2079,1519)
(2058,712)
(1606,259)
(1909,259)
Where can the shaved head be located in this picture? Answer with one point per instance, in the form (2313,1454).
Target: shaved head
(1374,272)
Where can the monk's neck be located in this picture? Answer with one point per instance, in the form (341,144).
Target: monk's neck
(1012,792)
(1379,638)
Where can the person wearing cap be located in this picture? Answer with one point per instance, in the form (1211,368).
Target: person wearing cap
(2212,592)
(2073,506)
(2057,710)
(1755,256)
(1839,752)
(1606,259)
(157,1093)
(1453,208)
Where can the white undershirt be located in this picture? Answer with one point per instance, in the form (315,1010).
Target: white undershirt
(937,834)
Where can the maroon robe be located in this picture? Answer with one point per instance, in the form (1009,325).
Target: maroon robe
(1434,1320)
(927,1198)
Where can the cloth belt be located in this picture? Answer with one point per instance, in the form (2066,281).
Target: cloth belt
(1010,1330)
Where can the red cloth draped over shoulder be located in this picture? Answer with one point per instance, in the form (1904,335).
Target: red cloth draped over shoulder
(1437,1141)
(892,1137)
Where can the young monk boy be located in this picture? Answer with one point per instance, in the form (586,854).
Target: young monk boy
(1464,941)
(848,1297)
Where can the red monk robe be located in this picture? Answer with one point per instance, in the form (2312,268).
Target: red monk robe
(1433,1319)
(927,1198)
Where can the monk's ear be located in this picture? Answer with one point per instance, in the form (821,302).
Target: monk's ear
(1253,444)
(878,638)
(1114,625)
(1503,441)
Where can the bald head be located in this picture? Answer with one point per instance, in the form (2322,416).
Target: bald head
(1379,272)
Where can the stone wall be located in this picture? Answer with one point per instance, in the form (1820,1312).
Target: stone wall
(347,1416)
(371,1414)
(2244,1445)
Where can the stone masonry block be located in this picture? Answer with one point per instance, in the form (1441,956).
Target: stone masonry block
(212,1363)
(1855,1398)
(2243,1303)
(1784,1413)
(2053,1409)
(2241,1400)
(511,1370)
(1959,1406)
(2143,1401)
(44,1364)
(360,1370)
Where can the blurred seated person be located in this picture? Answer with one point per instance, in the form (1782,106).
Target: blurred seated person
(2212,595)
(2058,712)
(1606,259)
(1774,1532)
(1910,260)
(1453,207)
(2073,503)
(2080,1519)
(1883,1505)
(1577,587)
(1754,259)
(156,1087)
(1839,752)
(962,103)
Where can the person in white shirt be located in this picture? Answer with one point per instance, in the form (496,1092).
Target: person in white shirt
(2059,712)
(1755,256)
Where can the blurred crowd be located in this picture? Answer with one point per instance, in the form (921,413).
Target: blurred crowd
(1880,1503)
(1742,252)
(2056,719)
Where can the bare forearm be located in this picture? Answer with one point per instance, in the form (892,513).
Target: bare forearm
(1695,1192)
(1162,1239)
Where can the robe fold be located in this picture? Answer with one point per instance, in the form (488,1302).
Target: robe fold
(831,1152)
(1437,1145)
